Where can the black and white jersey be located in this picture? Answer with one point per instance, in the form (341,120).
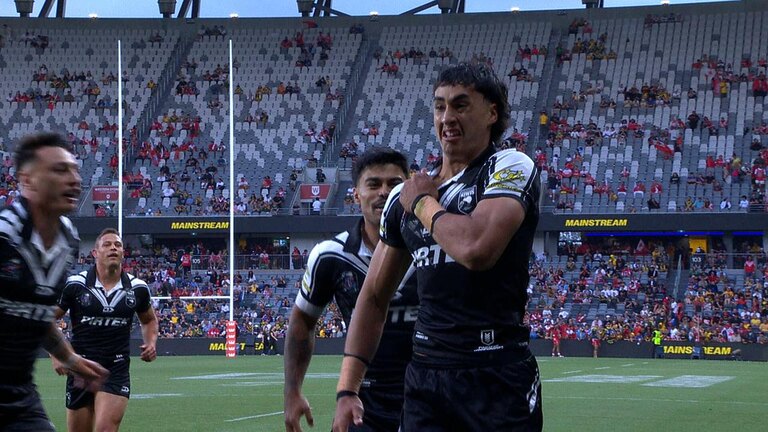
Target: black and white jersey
(335,271)
(465,315)
(101,321)
(31,280)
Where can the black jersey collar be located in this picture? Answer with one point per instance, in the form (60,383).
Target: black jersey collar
(478,161)
(90,279)
(355,237)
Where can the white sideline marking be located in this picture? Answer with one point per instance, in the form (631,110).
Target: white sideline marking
(153,395)
(222,376)
(708,402)
(252,375)
(253,383)
(571,372)
(690,381)
(628,365)
(603,368)
(254,416)
(602,379)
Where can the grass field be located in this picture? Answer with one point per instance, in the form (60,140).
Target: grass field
(580,394)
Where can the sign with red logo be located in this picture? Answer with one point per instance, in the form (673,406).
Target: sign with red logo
(103,194)
(308,192)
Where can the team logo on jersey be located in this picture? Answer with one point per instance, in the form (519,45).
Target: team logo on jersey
(130,299)
(487,337)
(349,281)
(11,269)
(467,200)
(85,299)
(108,309)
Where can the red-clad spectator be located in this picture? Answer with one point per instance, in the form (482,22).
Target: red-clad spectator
(639,190)
(656,187)
(758,176)
(749,267)
(760,86)
(624,172)
(621,191)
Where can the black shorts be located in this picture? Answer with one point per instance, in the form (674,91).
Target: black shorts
(493,398)
(22,411)
(383,407)
(118,383)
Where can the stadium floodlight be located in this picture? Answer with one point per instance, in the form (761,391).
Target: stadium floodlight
(515,9)
(373,13)
(24,7)
(167,7)
(665,2)
(445,5)
(305,7)
(234,15)
(93,15)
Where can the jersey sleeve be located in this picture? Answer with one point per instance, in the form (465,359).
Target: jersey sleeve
(317,287)
(512,174)
(143,298)
(69,294)
(389,229)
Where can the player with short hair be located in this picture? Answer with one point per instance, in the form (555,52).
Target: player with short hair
(335,271)
(469,227)
(102,302)
(38,246)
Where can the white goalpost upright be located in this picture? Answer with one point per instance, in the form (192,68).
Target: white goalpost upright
(231,323)
(119,172)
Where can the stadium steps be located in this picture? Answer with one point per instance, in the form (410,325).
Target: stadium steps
(166,85)
(345,123)
(545,97)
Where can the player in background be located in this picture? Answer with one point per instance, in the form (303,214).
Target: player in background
(336,270)
(554,334)
(38,246)
(469,227)
(102,302)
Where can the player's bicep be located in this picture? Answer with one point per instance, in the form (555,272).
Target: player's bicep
(388,266)
(147,317)
(502,218)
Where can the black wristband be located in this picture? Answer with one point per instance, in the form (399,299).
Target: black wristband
(364,360)
(435,217)
(416,200)
(344,393)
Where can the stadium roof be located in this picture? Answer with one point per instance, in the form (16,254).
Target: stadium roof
(288,8)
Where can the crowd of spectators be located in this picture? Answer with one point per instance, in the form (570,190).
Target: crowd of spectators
(724,301)
(712,308)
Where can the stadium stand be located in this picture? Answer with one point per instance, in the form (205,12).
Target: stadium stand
(624,113)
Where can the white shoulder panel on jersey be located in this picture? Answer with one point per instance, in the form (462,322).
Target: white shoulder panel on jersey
(512,174)
(325,253)
(78,278)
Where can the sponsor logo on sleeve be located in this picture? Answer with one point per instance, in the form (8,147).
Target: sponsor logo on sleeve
(508,179)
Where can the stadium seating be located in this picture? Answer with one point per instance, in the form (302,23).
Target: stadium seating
(595,60)
(619,91)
